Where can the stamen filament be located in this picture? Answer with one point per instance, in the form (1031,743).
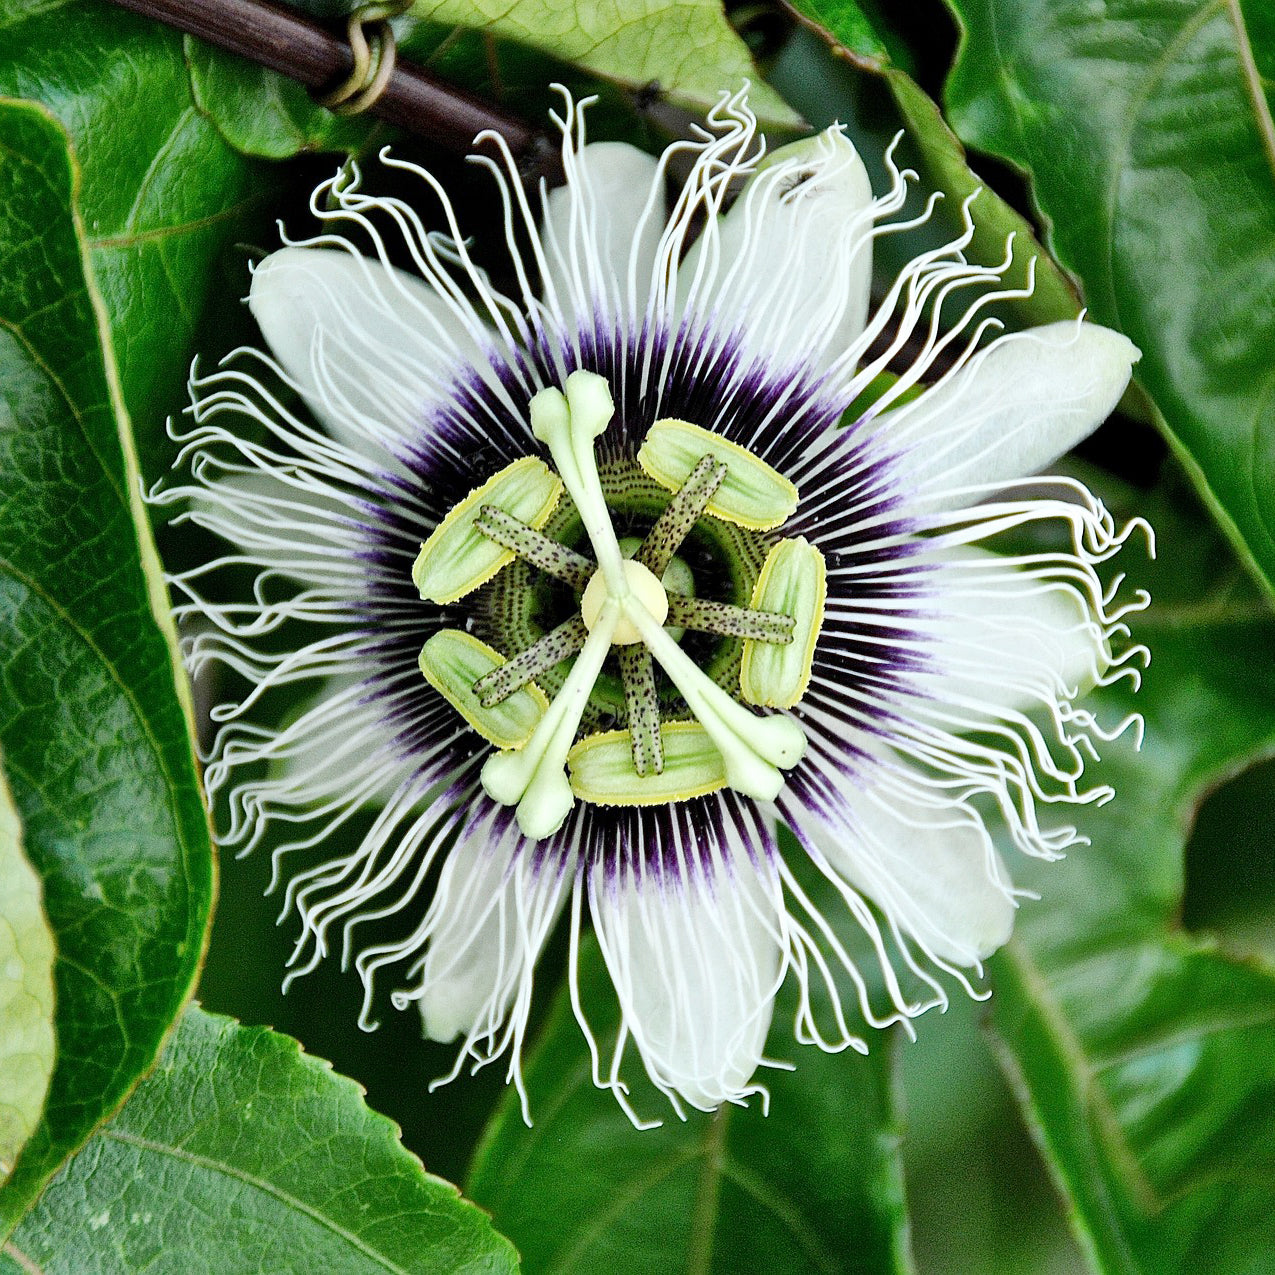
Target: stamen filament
(706,616)
(638,674)
(556,646)
(567,425)
(534,776)
(753,748)
(680,515)
(534,547)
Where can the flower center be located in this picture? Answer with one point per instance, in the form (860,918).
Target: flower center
(642,588)
(627,595)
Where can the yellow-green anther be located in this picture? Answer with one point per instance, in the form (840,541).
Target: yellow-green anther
(603,771)
(793,582)
(706,616)
(754,749)
(457,557)
(452,662)
(567,424)
(680,515)
(531,546)
(534,776)
(560,644)
(640,697)
(752,494)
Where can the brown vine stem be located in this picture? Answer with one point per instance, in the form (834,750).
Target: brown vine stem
(294,45)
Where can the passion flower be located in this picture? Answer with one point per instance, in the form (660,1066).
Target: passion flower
(602,582)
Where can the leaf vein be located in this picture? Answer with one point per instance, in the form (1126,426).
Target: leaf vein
(259,1184)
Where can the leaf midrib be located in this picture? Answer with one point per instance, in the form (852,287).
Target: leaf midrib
(126,691)
(1107,1128)
(1253,82)
(72,407)
(259,1184)
(717,1166)
(30,1267)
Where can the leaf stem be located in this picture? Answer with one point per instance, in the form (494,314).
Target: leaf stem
(295,46)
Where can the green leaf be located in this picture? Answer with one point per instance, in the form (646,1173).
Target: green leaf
(846,25)
(934,150)
(1144,1058)
(240,1153)
(95,739)
(582,1190)
(26,990)
(260,112)
(1259,18)
(686,47)
(161,192)
(1147,133)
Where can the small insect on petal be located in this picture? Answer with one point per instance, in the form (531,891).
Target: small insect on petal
(453,661)
(751,495)
(602,769)
(457,557)
(793,582)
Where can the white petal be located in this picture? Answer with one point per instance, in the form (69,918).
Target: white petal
(368,346)
(790,264)
(1004,637)
(696,965)
(1014,408)
(926,863)
(493,912)
(602,232)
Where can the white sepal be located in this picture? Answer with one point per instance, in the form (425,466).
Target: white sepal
(601,233)
(491,915)
(790,265)
(1014,408)
(1006,636)
(696,961)
(370,347)
(925,860)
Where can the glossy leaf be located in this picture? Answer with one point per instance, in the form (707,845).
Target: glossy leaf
(686,47)
(260,112)
(26,990)
(1146,1059)
(240,1153)
(1146,131)
(736,1191)
(162,194)
(95,740)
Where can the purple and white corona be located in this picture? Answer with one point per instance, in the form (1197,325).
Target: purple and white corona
(598,584)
